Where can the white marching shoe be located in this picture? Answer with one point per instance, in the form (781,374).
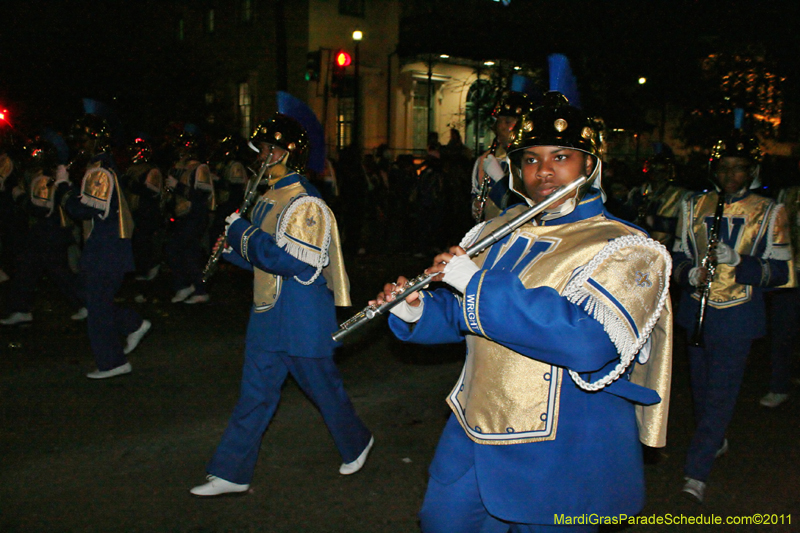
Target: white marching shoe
(695,490)
(197,299)
(182,294)
(773,399)
(103,374)
(136,337)
(17,319)
(81,314)
(216,486)
(351,468)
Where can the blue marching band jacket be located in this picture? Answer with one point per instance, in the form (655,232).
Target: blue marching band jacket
(568,332)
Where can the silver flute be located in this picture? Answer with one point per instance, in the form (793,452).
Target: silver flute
(421,281)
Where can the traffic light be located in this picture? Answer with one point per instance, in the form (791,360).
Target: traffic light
(340,62)
(343,59)
(313,62)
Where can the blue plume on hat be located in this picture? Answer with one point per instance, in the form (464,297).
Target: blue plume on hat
(738,118)
(662,149)
(562,79)
(60,144)
(525,85)
(96,107)
(298,110)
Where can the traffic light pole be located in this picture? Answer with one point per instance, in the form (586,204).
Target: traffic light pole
(357,103)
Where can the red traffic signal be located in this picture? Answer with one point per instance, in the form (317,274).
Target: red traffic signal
(343,59)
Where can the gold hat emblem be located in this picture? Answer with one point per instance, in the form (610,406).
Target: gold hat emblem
(291,147)
(527,126)
(278,135)
(560,125)
(587,132)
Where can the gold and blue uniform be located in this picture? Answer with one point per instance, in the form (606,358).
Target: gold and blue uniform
(194,198)
(43,248)
(785,304)
(554,309)
(107,255)
(293,248)
(757,228)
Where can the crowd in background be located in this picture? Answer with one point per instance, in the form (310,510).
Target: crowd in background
(386,202)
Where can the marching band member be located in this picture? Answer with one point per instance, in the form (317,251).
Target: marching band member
(107,256)
(13,218)
(560,318)
(47,241)
(292,246)
(193,187)
(753,251)
(657,202)
(784,311)
(490,192)
(144,185)
(229,184)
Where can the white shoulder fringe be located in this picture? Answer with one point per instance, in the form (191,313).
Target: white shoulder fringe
(626,345)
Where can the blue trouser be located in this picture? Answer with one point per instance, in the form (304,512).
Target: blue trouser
(42,256)
(262,379)
(107,323)
(716,375)
(457,508)
(184,254)
(784,310)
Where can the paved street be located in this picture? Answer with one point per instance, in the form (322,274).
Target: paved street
(120,454)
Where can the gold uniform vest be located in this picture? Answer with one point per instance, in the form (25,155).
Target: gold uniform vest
(790,198)
(150,176)
(670,201)
(306,229)
(503,397)
(97,190)
(745,224)
(202,181)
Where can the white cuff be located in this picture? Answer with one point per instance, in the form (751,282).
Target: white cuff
(459,271)
(406,312)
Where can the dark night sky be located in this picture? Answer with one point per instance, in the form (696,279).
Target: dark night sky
(53,53)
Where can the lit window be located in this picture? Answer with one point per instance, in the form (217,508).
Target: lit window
(344,122)
(245,108)
(210,21)
(180,30)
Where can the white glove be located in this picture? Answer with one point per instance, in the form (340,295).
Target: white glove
(459,271)
(695,277)
(230,219)
(727,255)
(492,168)
(408,313)
(62,175)
(171,182)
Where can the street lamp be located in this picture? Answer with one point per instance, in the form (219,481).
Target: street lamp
(357,36)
